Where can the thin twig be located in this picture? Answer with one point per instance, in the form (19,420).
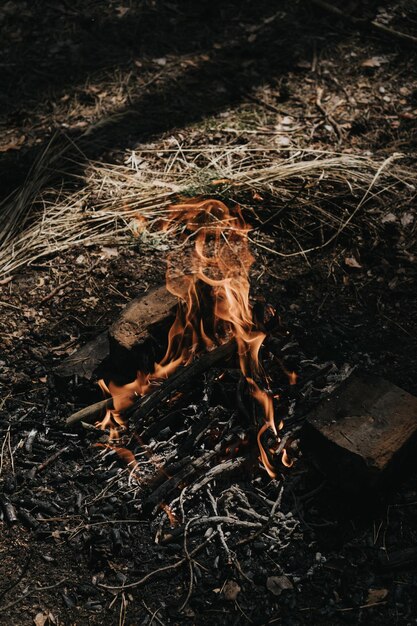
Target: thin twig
(160,570)
(266,525)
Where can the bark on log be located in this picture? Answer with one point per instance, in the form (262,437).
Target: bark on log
(87,360)
(142,327)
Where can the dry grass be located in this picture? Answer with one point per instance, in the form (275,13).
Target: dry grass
(311,197)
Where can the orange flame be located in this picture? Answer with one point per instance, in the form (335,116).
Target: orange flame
(211,281)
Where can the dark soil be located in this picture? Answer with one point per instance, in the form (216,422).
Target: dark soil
(192,70)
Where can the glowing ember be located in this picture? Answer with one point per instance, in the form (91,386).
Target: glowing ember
(211,281)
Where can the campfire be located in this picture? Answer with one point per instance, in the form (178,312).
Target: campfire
(209,276)
(213,388)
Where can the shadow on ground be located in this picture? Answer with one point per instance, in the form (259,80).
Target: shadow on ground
(218,52)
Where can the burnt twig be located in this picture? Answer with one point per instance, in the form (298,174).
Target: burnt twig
(160,570)
(52,458)
(145,405)
(8,510)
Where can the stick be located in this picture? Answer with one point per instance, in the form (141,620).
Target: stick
(166,568)
(142,407)
(58,288)
(145,405)
(90,413)
(52,458)
(172,482)
(326,115)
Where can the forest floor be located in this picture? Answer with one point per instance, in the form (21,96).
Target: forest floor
(146,78)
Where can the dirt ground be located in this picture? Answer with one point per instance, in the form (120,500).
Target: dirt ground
(116,77)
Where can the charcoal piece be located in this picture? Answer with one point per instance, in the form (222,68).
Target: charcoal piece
(364,434)
(9,510)
(28,519)
(45,507)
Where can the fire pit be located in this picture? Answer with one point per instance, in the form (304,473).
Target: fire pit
(208,405)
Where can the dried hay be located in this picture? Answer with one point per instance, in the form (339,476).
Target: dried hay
(309,198)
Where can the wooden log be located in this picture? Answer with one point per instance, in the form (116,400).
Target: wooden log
(87,360)
(363,436)
(143,324)
(131,342)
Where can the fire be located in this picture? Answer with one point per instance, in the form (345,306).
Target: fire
(211,281)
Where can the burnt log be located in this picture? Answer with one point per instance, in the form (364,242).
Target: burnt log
(90,413)
(87,360)
(363,435)
(140,333)
(143,407)
(134,341)
(9,511)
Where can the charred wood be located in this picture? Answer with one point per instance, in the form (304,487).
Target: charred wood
(9,510)
(130,343)
(143,407)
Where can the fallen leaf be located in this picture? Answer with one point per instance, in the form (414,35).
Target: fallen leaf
(407,219)
(277,584)
(303,64)
(376,595)
(40,619)
(13,143)
(108,253)
(231,590)
(121,11)
(350,261)
(389,218)
(376,61)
